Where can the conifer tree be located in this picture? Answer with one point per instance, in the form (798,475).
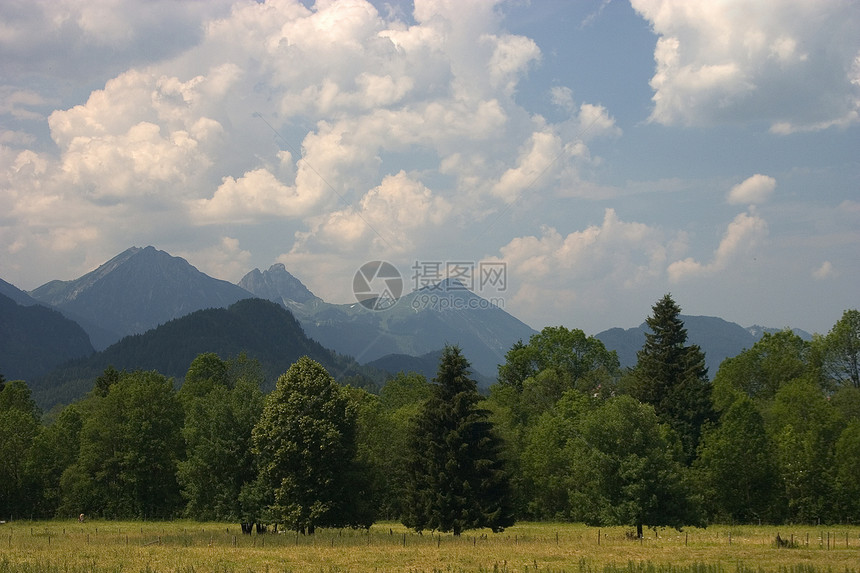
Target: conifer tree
(672,376)
(456,477)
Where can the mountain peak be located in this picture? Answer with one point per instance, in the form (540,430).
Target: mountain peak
(134,291)
(277,285)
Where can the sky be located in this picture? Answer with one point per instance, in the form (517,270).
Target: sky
(601,152)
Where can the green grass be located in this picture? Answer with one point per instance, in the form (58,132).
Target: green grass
(185,546)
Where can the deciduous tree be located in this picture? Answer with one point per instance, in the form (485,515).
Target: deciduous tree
(306,443)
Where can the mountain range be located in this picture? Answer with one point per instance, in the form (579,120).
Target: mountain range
(142,289)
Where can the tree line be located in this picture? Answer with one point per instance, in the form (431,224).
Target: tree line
(564,434)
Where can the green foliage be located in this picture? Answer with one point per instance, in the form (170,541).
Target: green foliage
(130,443)
(840,350)
(456,477)
(19,426)
(575,360)
(547,459)
(404,389)
(736,468)
(805,428)
(672,377)
(629,468)
(54,450)
(222,402)
(773,361)
(847,459)
(306,443)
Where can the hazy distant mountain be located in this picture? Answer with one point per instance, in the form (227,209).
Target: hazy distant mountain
(278,285)
(35,339)
(718,338)
(135,291)
(262,329)
(16,294)
(420,322)
(759,331)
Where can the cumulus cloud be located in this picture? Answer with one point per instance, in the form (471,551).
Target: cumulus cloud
(225,259)
(589,272)
(753,190)
(336,127)
(792,63)
(743,233)
(389,218)
(825,271)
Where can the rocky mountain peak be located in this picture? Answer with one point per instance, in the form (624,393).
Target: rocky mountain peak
(277,284)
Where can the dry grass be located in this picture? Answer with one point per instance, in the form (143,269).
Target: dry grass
(184,546)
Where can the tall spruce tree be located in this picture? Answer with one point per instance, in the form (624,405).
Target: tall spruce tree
(456,477)
(672,376)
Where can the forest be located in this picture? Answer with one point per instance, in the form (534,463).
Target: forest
(564,434)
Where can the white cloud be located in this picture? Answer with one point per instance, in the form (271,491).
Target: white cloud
(753,190)
(391,218)
(742,234)
(824,272)
(256,195)
(225,260)
(791,63)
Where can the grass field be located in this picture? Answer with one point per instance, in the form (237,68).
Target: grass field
(185,546)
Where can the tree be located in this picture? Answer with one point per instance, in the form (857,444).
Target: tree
(672,376)
(130,443)
(19,426)
(456,477)
(759,372)
(840,350)
(305,441)
(805,427)
(628,469)
(106,379)
(54,450)
(736,466)
(847,469)
(222,402)
(577,361)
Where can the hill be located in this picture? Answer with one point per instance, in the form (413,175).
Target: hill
(261,329)
(35,339)
(719,339)
(135,291)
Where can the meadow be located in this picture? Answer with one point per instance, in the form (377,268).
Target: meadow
(186,546)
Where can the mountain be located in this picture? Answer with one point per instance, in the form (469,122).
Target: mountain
(278,285)
(420,322)
(719,339)
(759,331)
(35,339)
(135,291)
(261,329)
(16,294)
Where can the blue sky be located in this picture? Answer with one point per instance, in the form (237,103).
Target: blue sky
(606,151)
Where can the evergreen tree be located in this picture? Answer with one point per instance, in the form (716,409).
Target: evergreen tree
(672,376)
(456,477)
(305,441)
